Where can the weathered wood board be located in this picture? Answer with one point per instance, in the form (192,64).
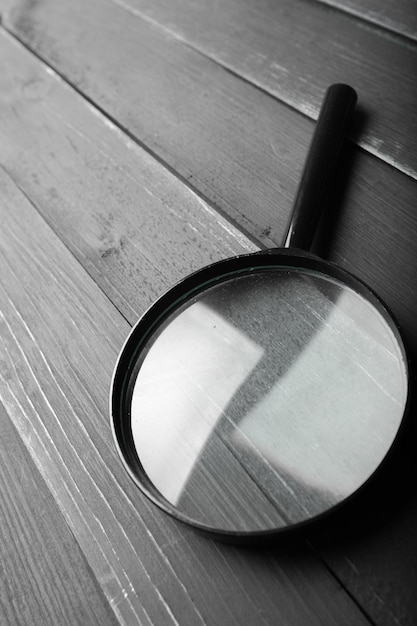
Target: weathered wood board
(399,16)
(293,49)
(112,191)
(60,339)
(44,575)
(183,113)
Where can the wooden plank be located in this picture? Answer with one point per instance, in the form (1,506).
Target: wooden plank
(253,47)
(293,49)
(45,577)
(89,181)
(57,328)
(60,338)
(399,613)
(113,210)
(251,175)
(162,79)
(399,16)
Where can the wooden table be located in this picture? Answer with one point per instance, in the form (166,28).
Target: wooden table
(141,140)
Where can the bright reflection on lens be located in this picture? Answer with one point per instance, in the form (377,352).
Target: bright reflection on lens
(198,371)
(268,400)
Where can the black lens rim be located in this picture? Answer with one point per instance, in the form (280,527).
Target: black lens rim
(189,287)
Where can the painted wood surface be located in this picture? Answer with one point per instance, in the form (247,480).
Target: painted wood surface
(94,228)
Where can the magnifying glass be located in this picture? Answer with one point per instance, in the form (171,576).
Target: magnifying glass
(262,391)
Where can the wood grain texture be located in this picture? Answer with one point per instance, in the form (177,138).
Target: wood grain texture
(294,49)
(125,217)
(44,576)
(60,338)
(47,148)
(190,112)
(184,108)
(52,143)
(399,16)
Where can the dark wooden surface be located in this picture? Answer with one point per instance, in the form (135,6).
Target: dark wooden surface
(140,140)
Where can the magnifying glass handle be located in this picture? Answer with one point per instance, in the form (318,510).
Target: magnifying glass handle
(319,167)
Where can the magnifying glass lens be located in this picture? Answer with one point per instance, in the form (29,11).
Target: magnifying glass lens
(266,399)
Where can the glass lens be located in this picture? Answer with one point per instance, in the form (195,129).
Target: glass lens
(267,399)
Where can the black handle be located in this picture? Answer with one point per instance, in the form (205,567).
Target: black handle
(319,166)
